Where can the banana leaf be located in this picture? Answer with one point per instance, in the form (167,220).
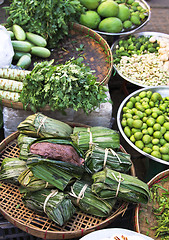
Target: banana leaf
(59,149)
(110,184)
(74,170)
(58,207)
(11,168)
(23,143)
(96,159)
(39,125)
(103,137)
(83,197)
(52,174)
(30,183)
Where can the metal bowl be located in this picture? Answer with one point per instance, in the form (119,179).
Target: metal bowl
(164,91)
(146,34)
(145,6)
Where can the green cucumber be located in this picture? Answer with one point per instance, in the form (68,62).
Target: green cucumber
(24,62)
(36,39)
(18,55)
(40,52)
(21,46)
(12,36)
(19,33)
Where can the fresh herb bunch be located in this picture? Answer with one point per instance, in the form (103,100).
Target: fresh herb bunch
(62,86)
(48,18)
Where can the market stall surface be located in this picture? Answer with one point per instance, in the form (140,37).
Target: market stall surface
(145,168)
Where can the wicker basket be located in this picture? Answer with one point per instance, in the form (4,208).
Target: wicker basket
(144,218)
(96,53)
(14,210)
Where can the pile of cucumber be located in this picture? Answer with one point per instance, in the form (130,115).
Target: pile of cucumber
(26,44)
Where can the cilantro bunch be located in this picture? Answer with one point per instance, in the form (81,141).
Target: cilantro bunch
(62,86)
(47,18)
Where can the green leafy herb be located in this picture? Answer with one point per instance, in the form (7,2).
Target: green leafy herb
(48,18)
(63,86)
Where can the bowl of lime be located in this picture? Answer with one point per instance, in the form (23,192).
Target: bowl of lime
(115,17)
(143,121)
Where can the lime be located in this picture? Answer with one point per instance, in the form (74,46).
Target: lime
(142,94)
(165,157)
(144,126)
(132,138)
(130,122)
(160,119)
(156,154)
(146,139)
(151,103)
(111,25)
(155,141)
(156,96)
(166,136)
(150,130)
(147,150)
(90,19)
(166,125)
(157,127)
(149,94)
(132,99)
(129,104)
(124,12)
(164,150)
(127,24)
(162,141)
(148,111)
(134,130)
(156,148)
(154,115)
(139,144)
(150,122)
(90,4)
(108,9)
(145,131)
(137,123)
(138,135)
(135,117)
(127,131)
(157,134)
(124,122)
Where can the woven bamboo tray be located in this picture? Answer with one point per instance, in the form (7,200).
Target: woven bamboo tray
(14,211)
(95,51)
(144,218)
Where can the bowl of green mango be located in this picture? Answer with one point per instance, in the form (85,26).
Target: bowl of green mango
(143,121)
(115,17)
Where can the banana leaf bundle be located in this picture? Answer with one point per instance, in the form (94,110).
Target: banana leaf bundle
(59,149)
(11,168)
(74,170)
(110,184)
(30,183)
(83,197)
(23,143)
(58,176)
(57,206)
(39,125)
(103,137)
(96,159)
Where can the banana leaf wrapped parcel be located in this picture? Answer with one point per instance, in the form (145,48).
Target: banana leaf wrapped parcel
(57,206)
(11,168)
(82,197)
(23,143)
(29,182)
(103,137)
(39,125)
(112,184)
(96,159)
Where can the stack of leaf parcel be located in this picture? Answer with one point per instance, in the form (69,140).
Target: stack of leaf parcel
(61,169)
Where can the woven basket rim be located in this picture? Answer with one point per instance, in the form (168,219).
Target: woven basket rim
(46,234)
(152,181)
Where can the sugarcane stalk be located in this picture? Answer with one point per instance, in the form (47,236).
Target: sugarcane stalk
(10,85)
(7,95)
(13,74)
